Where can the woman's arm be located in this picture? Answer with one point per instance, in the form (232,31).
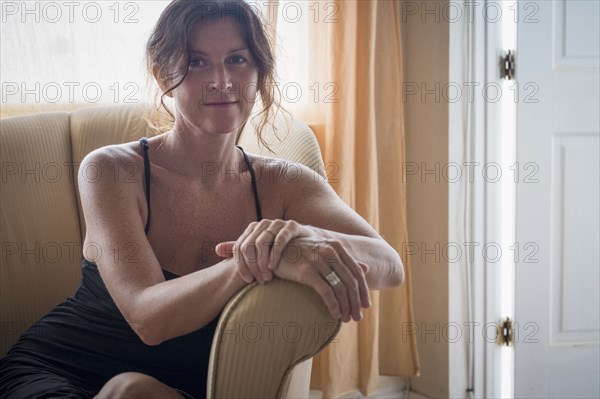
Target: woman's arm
(185,304)
(311,201)
(312,209)
(316,217)
(157,310)
(385,266)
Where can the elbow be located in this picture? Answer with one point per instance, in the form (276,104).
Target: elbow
(391,273)
(148,336)
(397,272)
(147,332)
(149,326)
(149,339)
(400,273)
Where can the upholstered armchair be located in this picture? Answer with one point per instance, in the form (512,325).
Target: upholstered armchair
(264,342)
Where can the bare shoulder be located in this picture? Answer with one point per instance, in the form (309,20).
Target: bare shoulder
(110,182)
(309,199)
(286,175)
(112,155)
(117,165)
(290,186)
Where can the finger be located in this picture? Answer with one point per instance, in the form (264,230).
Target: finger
(345,287)
(287,231)
(364,267)
(241,266)
(341,288)
(357,272)
(238,252)
(282,232)
(325,291)
(274,237)
(311,273)
(280,242)
(366,293)
(248,255)
(255,251)
(247,277)
(269,238)
(225,249)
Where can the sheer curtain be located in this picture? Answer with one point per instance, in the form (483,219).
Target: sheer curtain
(340,66)
(65,55)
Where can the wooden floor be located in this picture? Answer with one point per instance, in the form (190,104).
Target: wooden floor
(389,387)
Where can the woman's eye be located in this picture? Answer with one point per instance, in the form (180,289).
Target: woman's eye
(237,59)
(195,63)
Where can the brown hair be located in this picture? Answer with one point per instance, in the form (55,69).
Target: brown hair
(169,44)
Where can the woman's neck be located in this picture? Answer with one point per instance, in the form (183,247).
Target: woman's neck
(210,157)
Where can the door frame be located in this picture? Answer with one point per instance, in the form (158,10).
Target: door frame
(474,139)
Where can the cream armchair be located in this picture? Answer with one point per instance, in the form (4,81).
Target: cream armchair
(264,341)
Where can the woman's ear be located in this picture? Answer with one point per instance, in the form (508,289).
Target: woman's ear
(156,73)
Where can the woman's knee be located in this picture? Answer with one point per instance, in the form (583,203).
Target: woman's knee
(133,385)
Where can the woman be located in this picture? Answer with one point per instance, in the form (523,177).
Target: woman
(142,325)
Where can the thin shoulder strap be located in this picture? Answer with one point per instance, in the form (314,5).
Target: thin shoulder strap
(144,144)
(254,189)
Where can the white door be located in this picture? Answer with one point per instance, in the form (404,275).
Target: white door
(558,150)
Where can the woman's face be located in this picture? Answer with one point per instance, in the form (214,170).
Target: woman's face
(220,88)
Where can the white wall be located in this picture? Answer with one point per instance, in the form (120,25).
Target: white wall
(425,46)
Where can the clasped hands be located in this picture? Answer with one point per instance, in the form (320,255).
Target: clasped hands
(292,251)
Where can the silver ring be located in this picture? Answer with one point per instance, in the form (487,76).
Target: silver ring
(333,279)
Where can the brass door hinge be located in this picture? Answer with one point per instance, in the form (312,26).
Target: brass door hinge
(505,332)
(507,65)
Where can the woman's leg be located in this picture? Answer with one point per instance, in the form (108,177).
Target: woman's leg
(40,385)
(136,385)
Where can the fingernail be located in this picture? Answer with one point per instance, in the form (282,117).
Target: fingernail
(266,277)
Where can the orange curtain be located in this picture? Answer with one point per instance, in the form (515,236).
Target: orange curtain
(357,58)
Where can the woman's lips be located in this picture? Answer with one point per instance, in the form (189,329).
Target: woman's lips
(221,104)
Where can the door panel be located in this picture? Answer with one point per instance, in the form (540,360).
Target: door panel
(557,207)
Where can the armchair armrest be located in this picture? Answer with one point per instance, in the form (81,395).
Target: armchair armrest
(263,333)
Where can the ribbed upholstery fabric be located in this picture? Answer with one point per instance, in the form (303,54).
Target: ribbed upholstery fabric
(253,352)
(41,240)
(293,141)
(42,214)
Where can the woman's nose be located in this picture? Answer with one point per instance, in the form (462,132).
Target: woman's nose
(222,86)
(220,80)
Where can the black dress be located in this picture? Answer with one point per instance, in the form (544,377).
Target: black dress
(85,341)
